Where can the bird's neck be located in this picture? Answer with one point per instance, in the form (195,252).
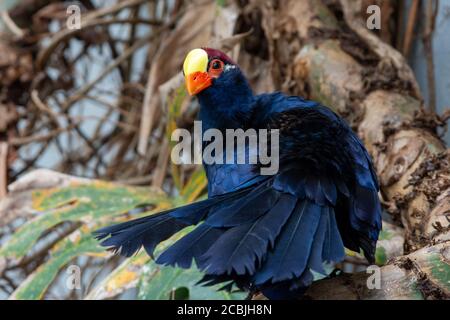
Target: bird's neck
(229,108)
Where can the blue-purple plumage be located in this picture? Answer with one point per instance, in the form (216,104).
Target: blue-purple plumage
(268,232)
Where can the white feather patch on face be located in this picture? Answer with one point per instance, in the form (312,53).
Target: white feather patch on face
(229,67)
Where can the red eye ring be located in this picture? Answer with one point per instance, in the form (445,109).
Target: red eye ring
(215,68)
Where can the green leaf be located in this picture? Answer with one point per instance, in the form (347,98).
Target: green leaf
(94,202)
(35,286)
(94,205)
(162,283)
(124,277)
(129,273)
(438,271)
(380,256)
(221,3)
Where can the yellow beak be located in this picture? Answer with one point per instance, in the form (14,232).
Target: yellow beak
(195,69)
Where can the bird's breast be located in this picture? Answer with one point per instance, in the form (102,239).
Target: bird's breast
(223,178)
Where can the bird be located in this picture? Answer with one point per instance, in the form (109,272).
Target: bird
(259,233)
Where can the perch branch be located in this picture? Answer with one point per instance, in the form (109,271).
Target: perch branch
(409,34)
(9,23)
(430,19)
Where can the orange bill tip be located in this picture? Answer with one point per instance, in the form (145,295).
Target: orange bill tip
(197,82)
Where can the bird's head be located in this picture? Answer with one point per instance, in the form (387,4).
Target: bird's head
(225,97)
(204,67)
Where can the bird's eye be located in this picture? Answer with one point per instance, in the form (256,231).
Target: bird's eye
(216,64)
(216,68)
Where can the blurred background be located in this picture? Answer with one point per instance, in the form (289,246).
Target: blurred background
(100,101)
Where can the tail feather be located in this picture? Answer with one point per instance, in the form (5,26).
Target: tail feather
(229,282)
(128,237)
(333,245)
(195,212)
(315,260)
(267,235)
(243,247)
(246,209)
(104,232)
(365,219)
(356,234)
(309,237)
(190,247)
(289,257)
(367,206)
